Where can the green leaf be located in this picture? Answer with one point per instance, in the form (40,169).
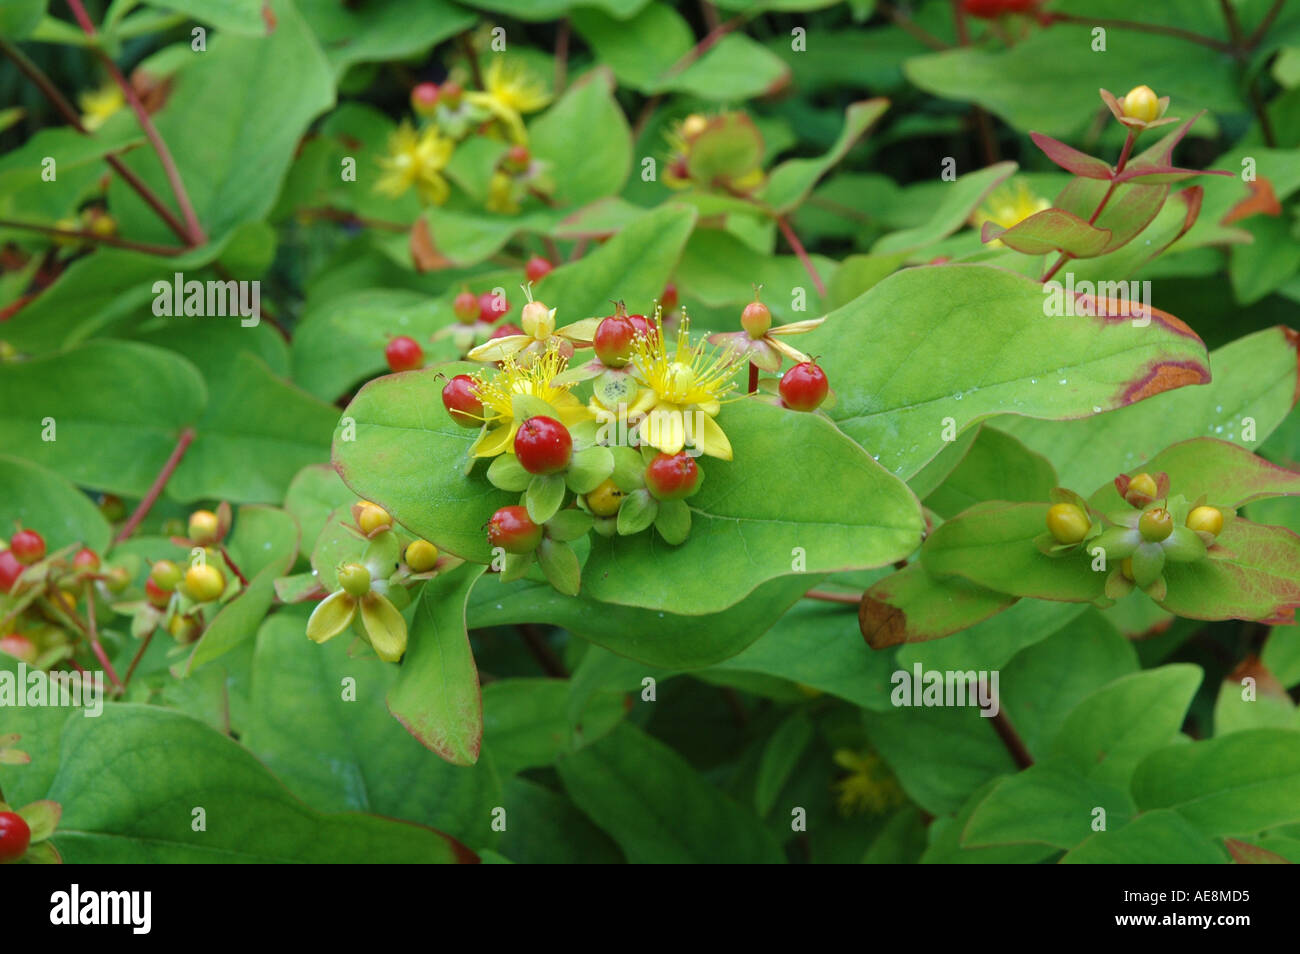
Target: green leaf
(1254,377)
(673,521)
(911,606)
(313,494)
(1248,574)
(1262,704)
(436,695)
(318,720)
(544,497)
(117,444)
(1052,230)
(396,30)
(256,433)
(751,522)
(560,566)
(781,754)
(1156,837)
(960,200)
(1110,731)
(231,158)
(626,781)
(1228,475)
(997,467)
(946,833)
(1047,803)
(546,828)
(1266,263)
(1235,785)
(44,501)
(19,18)
(233,16)
(130,780)
(587,139)
(789,183)
(527,724)
(901,367)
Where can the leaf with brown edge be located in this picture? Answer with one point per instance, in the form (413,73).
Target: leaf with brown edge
(1244,853)
(1250,573)
(1226,474)
(1071,159)
(424,253)
(1260,200)
(992,545)
(911,606)
(1052,230)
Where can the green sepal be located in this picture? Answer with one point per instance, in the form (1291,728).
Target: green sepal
(544,497)
(560,565)
(588,469)
(1118,542)
(629,469)
(1148,562)
(382,555)
(673,521)
(331,616)
(637,512)
(516,565)
(507,473)
(605,526)
(583,434)
(569,524)
(1184,545)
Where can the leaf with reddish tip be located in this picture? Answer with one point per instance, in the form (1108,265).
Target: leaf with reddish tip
(1226,474)
(1162,175)
(1250,573)
(436,696)
(992,545)
(1244,853)
(1071,159)
(1048,231)
(1130,209)
(969,341)
(911,606)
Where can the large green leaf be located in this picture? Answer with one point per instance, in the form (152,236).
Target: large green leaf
(526,722)
(43,501)
(1226,474)
(232,157)
(658,808)
(436,694)
(1253,377)
(967,341)
(997,467)
(394,30)
(115,427)
(1048,803)
(790,182)
(131,782)
(587,139)
(233,16)
(1157,837)
(319,721)
(1235,785)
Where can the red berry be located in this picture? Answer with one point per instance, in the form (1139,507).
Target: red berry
(86,559)
(15,836)
(466,308)
(672,476)
(424,97)
(513,530)
(450,93)
(669,298)
(461,401)
(517,158)
(984,9)
(538,268)
(10,570)
(156,595)
(543,445)
(404,354)
(804,387)
(506,330)
(28,546)
(20,647)
(756,319)
(644,326)
(493,306)
(613,339)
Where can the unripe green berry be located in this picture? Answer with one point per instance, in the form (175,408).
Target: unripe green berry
(165,574)
(204,527)
(1156,525)
(355,579)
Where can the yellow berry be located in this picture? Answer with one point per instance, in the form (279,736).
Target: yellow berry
(421,556)
(204,527)
(204,582)
(372,517)
(1126,568)
(1141,103)
(604,501)
(693,125)
(1067,523)
(1206,520)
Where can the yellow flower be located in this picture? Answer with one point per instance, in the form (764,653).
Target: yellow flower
(361,593)
(501,194)
(533,380)
(511,91)
(99,104)
(683,392)
(416,159)
(540,336)
(1007,206)
(869,786)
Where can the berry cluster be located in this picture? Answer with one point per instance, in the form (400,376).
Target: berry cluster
(624,457)
(1137,541)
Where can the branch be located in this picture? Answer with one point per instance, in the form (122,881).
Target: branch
(905,23)
(801,253)
(164,475)
(827,596)
(194,230)
(64,108)
(146,247)
(1187,35)
(1010,737)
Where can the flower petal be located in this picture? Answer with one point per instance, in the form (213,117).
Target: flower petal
(498,349)
(710,438)
(331,616)
(384,626)
(498,440)
(795,327)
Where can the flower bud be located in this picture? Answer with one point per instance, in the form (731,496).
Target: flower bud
(204,527)
(1067,523)
(1206,520)
(1142,103)
(538,321)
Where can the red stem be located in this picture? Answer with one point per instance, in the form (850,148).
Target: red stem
(233,566)
(164,475)
(193,229)
(139,654)
(828,597)
(1110,190)
(93,633)
(799,251)
(753,377)
(145,247)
